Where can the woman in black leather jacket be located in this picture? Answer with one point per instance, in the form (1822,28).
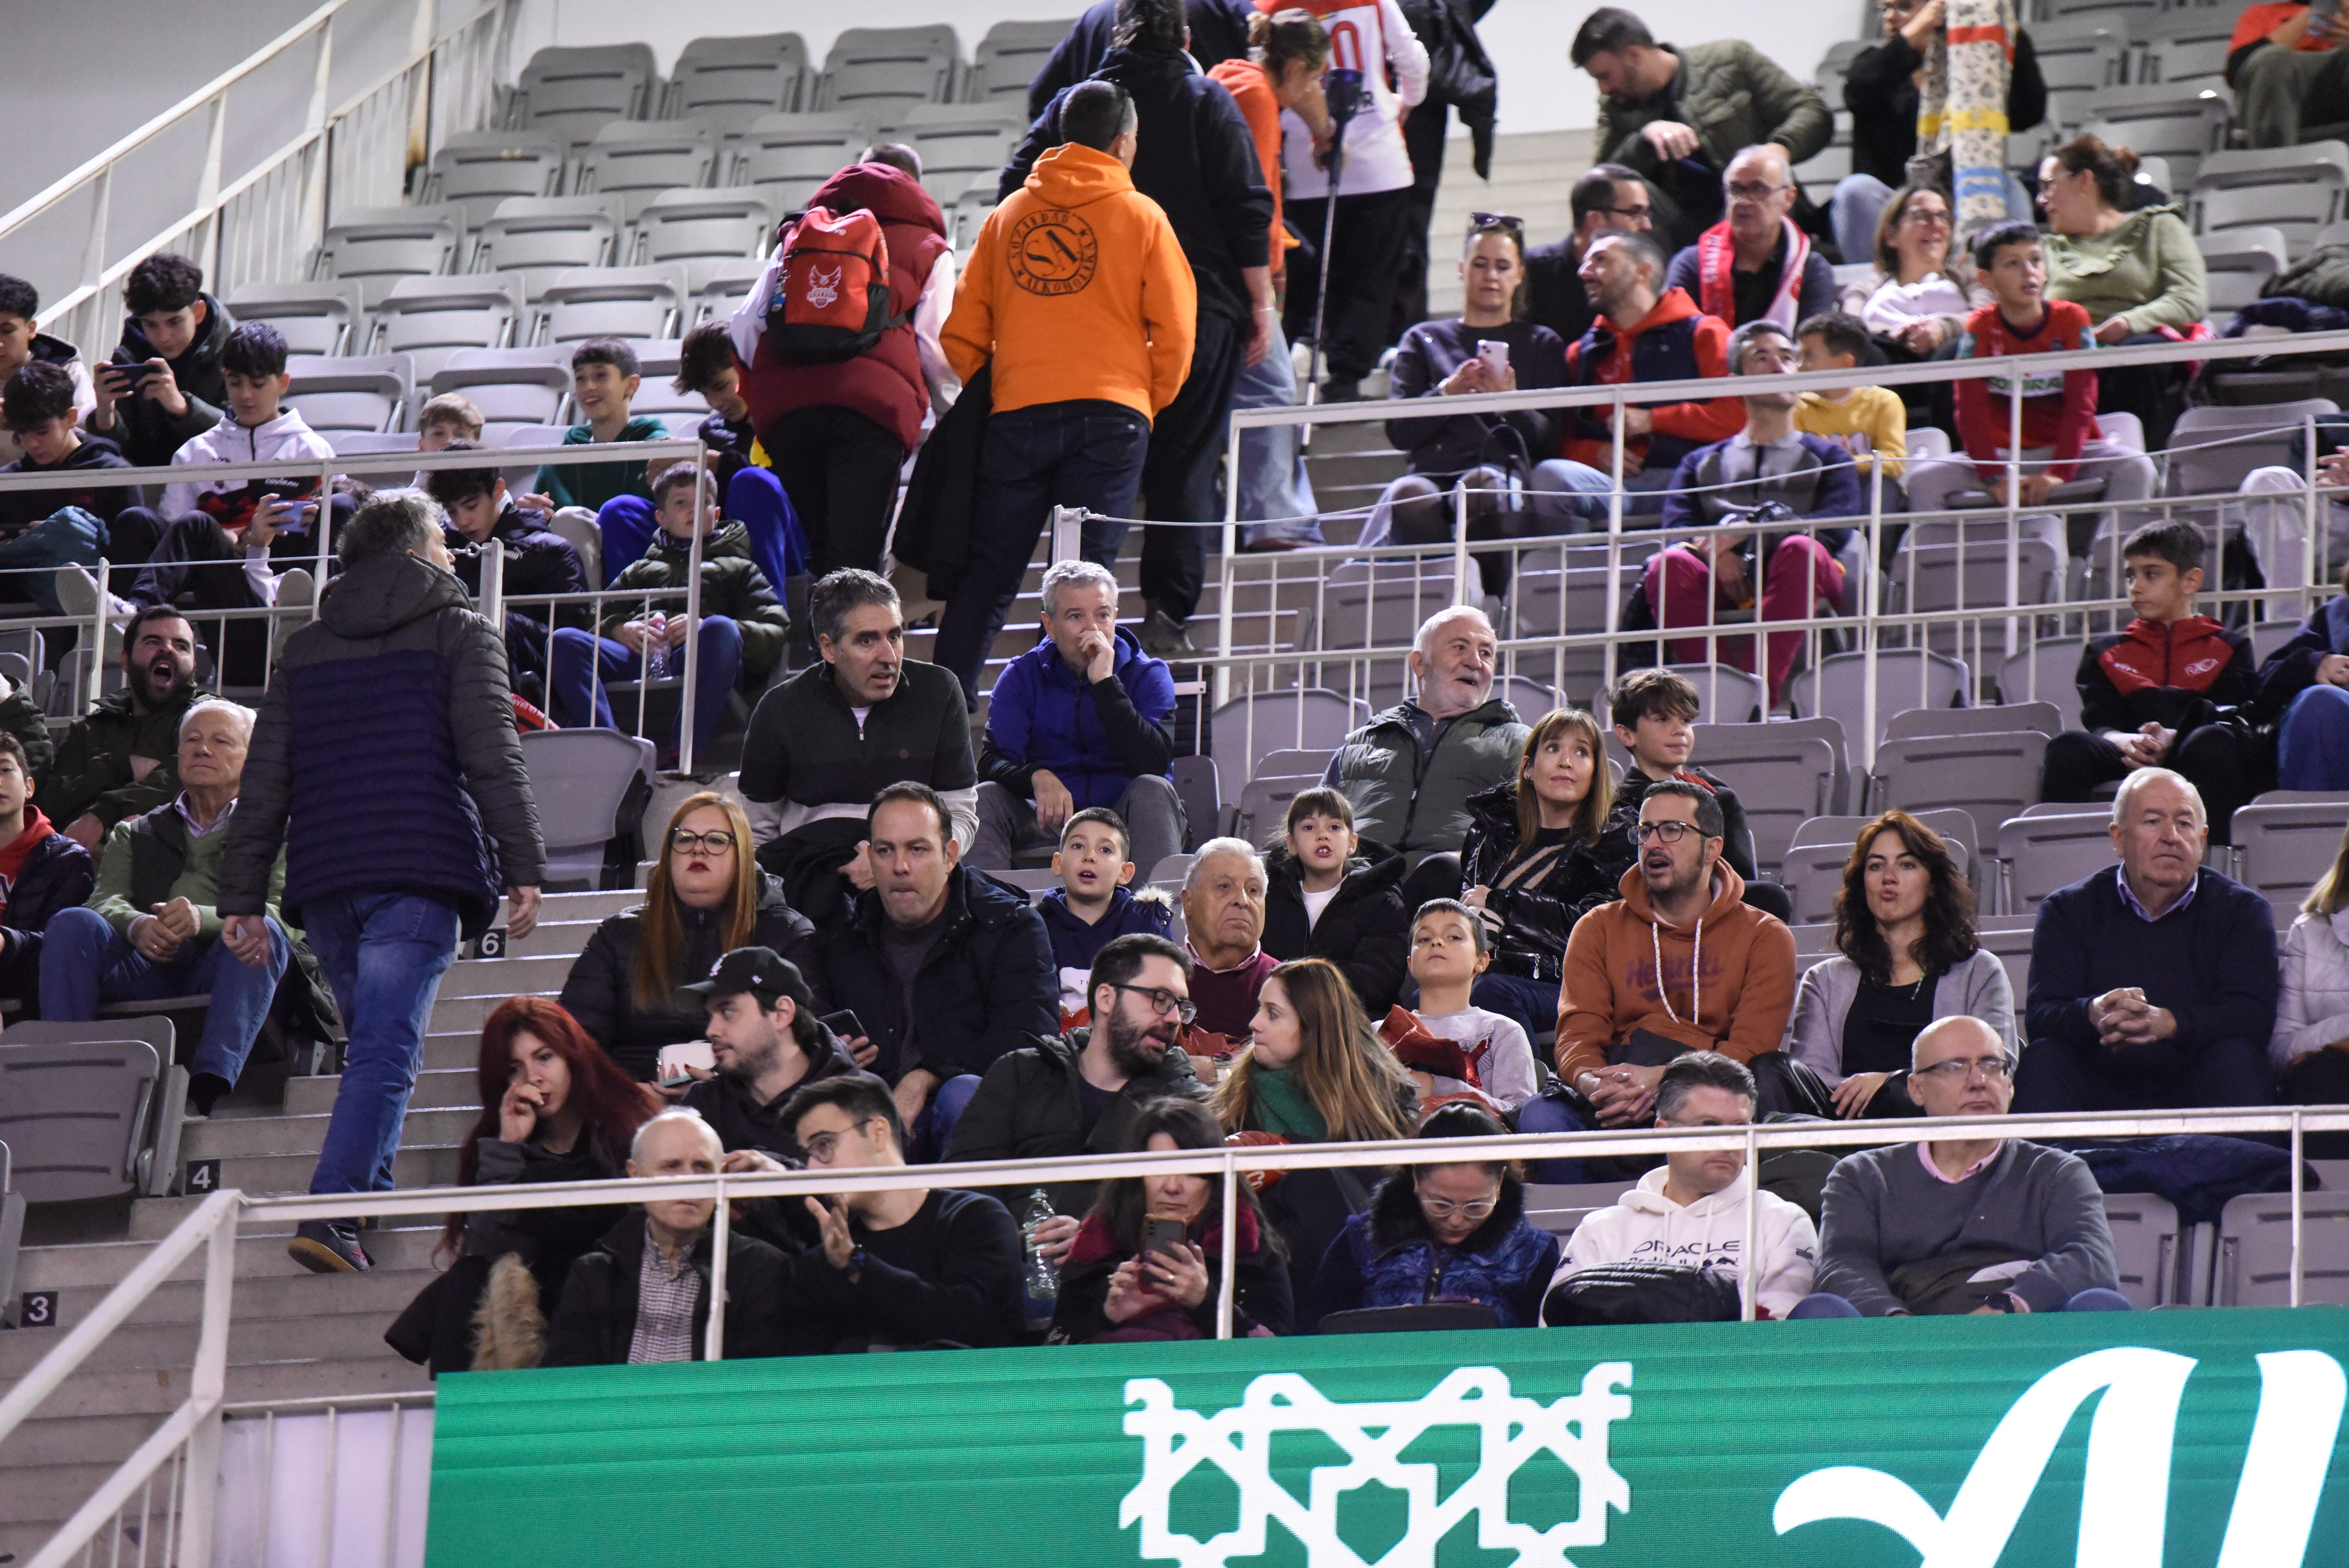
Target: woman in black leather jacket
(706,899)
(1536,858)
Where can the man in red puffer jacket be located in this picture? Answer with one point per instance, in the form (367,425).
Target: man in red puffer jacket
(838,434)
(2167,691)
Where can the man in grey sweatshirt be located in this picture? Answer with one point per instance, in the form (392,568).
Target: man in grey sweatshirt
(2028,1220)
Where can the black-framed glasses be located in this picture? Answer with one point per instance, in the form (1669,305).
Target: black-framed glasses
(716,841)
(1957,1069)
(1665,832)
(1162,1002)
(1642,211)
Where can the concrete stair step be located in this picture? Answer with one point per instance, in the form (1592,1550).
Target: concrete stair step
(437,1089)
(240,1137)
(314,1335)
(100,1265)
(504,977)
(275,1173)
(157,1392)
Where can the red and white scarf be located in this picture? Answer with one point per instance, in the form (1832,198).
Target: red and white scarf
(1716,254)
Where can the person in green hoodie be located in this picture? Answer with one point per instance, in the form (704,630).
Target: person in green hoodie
(742,628)
(604,382)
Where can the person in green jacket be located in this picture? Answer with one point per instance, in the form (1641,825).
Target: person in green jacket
(151,927)
(604,382)
(2137,274)
(742,630)
(118,761)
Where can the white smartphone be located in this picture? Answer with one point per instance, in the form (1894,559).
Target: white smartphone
(1496,356)
(675,1060)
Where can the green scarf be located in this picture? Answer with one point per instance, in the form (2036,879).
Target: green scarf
(1282,1106)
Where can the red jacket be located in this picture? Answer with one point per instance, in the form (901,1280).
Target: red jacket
(2059,408)
(885,386)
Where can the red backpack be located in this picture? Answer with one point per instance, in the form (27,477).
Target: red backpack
(832,297)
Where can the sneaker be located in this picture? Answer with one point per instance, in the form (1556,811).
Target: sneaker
(1166,638)
(328,1246)
(204,1091)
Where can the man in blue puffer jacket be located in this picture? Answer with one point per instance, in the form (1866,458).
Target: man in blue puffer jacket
(386,761)
(1085,718)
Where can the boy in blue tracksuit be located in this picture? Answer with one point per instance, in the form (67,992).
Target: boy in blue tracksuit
(1092,903)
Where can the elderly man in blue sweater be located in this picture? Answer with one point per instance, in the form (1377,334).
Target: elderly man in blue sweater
(2153,984)
(1082,719)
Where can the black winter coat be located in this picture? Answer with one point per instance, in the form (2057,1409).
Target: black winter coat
(91,772)
(1196,160)
(1028,1107)
(1538,911)
(988,985)
(57,874)
(146,433)
(1365,930)
(598,1320)
(1219,32)
(537,562)
(1261,1296)
(600,991)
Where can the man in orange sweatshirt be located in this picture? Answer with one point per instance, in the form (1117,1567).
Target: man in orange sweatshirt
(1079,293)
(1678,964)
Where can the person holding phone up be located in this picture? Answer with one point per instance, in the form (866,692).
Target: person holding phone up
(164,388)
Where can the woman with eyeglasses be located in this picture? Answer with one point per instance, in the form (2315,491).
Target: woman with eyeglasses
(1314,1071)
(1119,1285)
(1442,1234)
(1917,306)
(1881,88)
(1906,954)
(1489,348)
(707,897)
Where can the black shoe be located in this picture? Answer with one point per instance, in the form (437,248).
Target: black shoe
(1166,638)
(205,1091)
(328,1246)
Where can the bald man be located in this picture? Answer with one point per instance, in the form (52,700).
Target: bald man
(643,1294)
(1976,1224)
(2154,982)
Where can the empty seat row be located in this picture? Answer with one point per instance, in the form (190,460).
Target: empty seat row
(513,388)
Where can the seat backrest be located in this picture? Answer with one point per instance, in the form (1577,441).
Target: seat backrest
(730,82)
(2255,1250)
(75,1100)
(548,366)
(2044,853)
(2043,672)
(2282,850)
(959,143)
(1264,806)
(1007,59)
(579,777)
(1905,678)
(1782,779)
(1314,719)
(314,318)
(638,159)
(683,224)
(476,169)
(574,92)
(375,248)
(883,69)
(542,237)
(2147,1241)
(1989,720)
(1989,776)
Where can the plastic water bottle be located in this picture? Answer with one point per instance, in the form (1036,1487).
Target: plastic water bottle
(1043,1281)
(656,646)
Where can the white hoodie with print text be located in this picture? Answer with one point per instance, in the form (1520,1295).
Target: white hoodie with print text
(1646,1227)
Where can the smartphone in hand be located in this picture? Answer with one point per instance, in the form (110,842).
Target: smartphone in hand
(1161,1234)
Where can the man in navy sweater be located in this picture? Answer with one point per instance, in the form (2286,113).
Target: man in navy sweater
(2153,985)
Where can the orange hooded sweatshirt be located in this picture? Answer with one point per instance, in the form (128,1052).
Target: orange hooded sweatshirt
(1078,290)
(1742,962)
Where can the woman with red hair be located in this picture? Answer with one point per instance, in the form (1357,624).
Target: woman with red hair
(554,1108)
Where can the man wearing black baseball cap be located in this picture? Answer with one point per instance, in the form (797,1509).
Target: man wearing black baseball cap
(768,1046)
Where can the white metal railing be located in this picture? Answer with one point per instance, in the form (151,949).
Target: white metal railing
(185,1447)
(264,222)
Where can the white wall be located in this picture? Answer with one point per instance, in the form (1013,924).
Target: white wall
(1527,38)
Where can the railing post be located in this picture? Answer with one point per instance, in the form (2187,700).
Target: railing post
(2319,543)
(1226,1289)
(1460,594)
(1867,630)
(493,585)
(2299,1206)
(713,1345)
(208,191)
(93,255)
(208,1387)
(1752,1179)
(1229,573)
(94,672)
(692,651)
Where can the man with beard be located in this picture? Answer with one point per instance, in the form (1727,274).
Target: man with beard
(767,1045)
(1078,1093)
(119,761)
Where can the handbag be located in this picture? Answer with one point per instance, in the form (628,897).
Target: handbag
(1945,1286)
(1639,1293)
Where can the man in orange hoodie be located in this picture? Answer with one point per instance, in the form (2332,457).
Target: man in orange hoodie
(1079,293)
(1680,964)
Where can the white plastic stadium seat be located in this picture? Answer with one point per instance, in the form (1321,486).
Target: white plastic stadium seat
(91,1110)
(1989,776)
(1007,59)
(880,71)
(428,319)
(476,169)
(359,392)
(2044,853)
(638,159)
(2044,673)
(2237,263)
(2182,124)
(1249,726)
(629,302)
(1992,719)
(375,247)
(1783,777)
(785,157)
(575,92)
(2296,190)
(579,778)
(1905,678)
(314,318)
(730,82)
(2282,849)
(703,230)
(959,144)
(2255,1250)
(542,237)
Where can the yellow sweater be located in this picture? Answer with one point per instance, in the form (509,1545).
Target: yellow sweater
(1869,420)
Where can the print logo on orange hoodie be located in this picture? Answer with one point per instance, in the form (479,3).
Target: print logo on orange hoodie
(1054,252)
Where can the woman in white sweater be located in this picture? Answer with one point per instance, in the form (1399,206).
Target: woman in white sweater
(1906,956)
(2310,1049)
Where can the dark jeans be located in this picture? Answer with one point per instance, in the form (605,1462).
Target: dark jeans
(198,567)
(840,469)
(2056,1076)
(1086,453)
(85,961)
(131,536)
(384,954)
(1368,249)
(1532,1003)
(2212,758)
(2155,394)
(583,666)
(1178,474)
(1827,1303)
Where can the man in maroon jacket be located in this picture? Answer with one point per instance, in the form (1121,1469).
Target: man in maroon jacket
(838,434)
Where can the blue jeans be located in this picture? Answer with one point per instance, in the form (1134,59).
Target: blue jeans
(1825,1304)
(1532,1003)
(384,954)
(85,961)
(580,664)
(2312,746)
(1084,453)
(1547,1113)
(1272,479)
(66,537)
(754,497)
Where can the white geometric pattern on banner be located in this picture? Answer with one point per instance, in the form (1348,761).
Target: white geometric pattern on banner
(1511,1431)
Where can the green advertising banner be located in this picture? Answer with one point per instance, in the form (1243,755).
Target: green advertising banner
(2187,1440)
